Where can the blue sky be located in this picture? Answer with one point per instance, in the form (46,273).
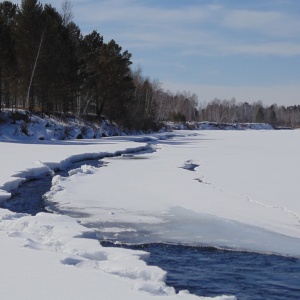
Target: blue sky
(245,49)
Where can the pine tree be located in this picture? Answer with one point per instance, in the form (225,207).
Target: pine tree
(30,32)
(115,81)
(69,68)
(7,53)
(90,71)
(48,81)
(260,115)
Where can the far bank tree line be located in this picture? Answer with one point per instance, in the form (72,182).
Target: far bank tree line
(229,111)
(47,65)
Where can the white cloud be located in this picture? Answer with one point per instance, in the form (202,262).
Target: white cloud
(193,30)
(280,49)
(223,48)
(133,11)
(271,23)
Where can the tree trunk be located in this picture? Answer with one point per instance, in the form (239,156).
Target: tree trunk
(99,112)
(33,69)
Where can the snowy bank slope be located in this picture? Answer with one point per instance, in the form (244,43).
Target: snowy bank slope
(23,125)
(53,257)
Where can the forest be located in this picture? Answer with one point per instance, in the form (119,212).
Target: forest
(229,111)
(48,66)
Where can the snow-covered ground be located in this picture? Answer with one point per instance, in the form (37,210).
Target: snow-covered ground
(224,188)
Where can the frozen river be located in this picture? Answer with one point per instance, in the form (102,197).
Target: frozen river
(231,190)
(237,190)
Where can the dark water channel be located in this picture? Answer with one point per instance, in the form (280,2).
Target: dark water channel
(203,271)
(207,271)
(28,197)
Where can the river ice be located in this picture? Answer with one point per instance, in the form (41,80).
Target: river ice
(228,189)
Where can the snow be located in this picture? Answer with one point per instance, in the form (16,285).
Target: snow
(51,256)
(47,257)
(233,189)
(228,189)
(22,125)
(221,126)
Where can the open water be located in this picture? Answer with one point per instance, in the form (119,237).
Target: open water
(204,271)
(207,271)
(28,197)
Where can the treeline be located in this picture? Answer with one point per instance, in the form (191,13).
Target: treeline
(228,111)
(48,65)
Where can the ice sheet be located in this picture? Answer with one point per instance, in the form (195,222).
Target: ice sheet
(228,189)
(51,256)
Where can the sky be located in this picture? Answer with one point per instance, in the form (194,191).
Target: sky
(249,50)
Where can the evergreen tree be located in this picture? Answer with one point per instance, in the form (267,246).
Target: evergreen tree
(260,116)
(7,53)
(30,32)
(69,68)
(272,115)
(47,82)
(115,82)
(90,71)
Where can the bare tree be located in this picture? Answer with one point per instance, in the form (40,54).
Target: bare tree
(34,68)
(66,12)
